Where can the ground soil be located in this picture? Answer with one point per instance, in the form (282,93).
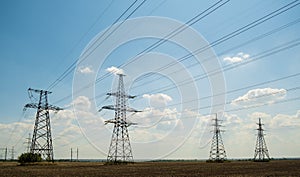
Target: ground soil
(234,168)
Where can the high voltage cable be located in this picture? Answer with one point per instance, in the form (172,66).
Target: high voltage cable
(232,48)
(15,128)
(236,90)
(230,35)
(217,42)
(89,85)
(73,65)
(231,110)
(256,57)
(230,102)
(178,30)
(107,74)
(53,85)
(234,33)
(70,68)
(259,56)
(208,114)
(175,32)
(66,72)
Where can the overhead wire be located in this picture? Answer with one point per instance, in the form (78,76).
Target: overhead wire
(237,32)
(224,38)
(271,32)
(73,65)
(69,69)
(196,110)
(53,85)
(237,90)
(262,55)
(180,28)
(233,34)
(227,103)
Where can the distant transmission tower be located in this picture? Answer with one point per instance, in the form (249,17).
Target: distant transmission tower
(41,142)
(120,148)
(217,150)
(261,151)
(28,143)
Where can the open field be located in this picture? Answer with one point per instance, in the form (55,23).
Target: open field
(235,168)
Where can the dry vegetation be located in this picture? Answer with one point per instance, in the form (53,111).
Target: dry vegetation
(273,168)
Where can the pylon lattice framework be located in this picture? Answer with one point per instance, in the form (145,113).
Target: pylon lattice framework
(217,151)
(41,142)
(261,150)
(120,148)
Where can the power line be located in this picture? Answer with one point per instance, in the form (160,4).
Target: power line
(236,32)
(216,42)
(264,54)
(239,89)
(172,34)
(70,68)
(259,56)
(73,65)
(231,110)
(178,30)
(233,34)
(232,48)
(243,108)
(270,81)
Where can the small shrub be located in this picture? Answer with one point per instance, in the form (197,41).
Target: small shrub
(29,157)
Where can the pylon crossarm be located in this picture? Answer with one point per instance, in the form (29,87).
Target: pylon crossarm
(31,105)
(113,107)
(116,94)
(39,91)
(110,121)
(54,108)
(128,109)
(48,107)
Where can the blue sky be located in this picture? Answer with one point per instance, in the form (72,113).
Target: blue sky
(39,40)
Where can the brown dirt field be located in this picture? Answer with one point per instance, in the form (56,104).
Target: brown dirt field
(235,168)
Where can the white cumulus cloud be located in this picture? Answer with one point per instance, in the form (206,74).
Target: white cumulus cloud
(85,70)
(237,58)
(158,100)
(115,70)
(82,103)
(260,96)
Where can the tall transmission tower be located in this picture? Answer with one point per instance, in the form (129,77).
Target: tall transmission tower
(41,142)
(28,143)
(217,150)
(120,149)
(261,151)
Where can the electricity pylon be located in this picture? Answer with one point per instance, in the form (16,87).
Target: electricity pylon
(217,150)
(120,148)
(261,151)
(41,142)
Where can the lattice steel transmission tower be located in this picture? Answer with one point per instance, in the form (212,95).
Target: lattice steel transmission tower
(41,142)
(120,149)
(217,150)
(261,151)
